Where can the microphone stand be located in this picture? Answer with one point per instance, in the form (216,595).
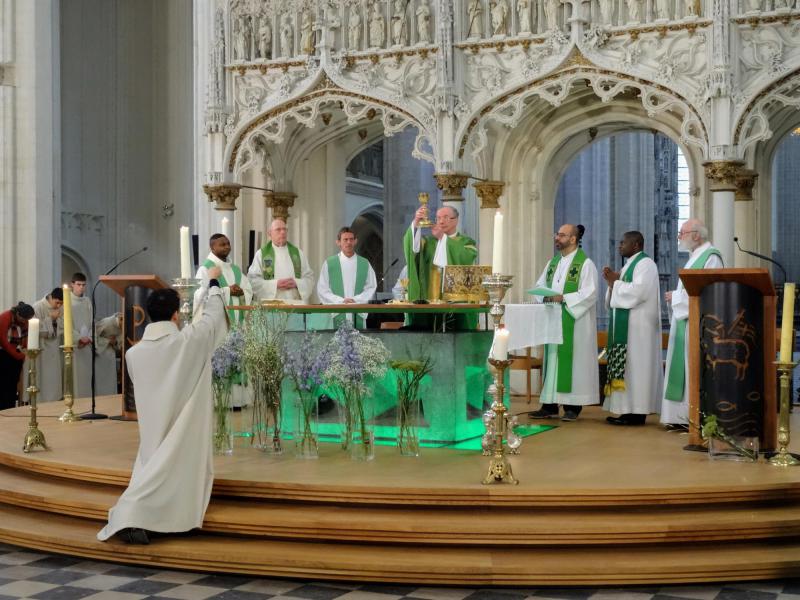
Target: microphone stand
(92,416)
(762,257)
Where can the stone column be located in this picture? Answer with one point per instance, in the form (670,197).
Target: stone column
(452,185)
(722,176)
(489,193)
(746,223)
(224,195)
(280,203)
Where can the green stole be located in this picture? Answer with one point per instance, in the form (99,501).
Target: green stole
(618,338)
(676,378)
(268,260)
(236,300)
(336,282)
(565,349)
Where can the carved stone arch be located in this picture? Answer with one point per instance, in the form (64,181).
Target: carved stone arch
(508,110)
(307,110)
(770,106)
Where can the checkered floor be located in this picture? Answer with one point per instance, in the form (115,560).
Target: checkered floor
(25,574)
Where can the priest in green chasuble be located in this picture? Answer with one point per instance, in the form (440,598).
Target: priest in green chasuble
(571,376)
(426,257)
(635,377)
(692,238)
(279,270)
(346,278)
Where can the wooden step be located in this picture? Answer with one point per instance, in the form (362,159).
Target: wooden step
(444,525)
(475,565)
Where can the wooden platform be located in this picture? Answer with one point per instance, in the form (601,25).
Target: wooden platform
(596,505)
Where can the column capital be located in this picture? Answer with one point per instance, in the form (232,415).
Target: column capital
(452,185)
(224,195)
(489,192)
(722,174)
(745,182)
(280,203)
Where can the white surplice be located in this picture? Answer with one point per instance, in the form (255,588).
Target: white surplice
(267,289)
(172,477)
(48,368)
(644,377)
(349,268)
(81,357)
(582,305)
(230,279)
(672,411)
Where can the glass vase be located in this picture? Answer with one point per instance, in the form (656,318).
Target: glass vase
(362,433)
(266,424)
(408,423)
(735,447)
(306,426)
(223,423)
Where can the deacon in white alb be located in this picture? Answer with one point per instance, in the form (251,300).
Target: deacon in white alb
(635,378)
(346,278)
(692,238)
(280,270)
(170,369)
(236,289)
(571,374)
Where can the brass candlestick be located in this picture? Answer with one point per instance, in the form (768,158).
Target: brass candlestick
(186,289)
(34,438)
(68,387)
(499,467)
(783,458)
(423,200)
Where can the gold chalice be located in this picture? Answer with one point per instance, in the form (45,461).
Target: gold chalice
(423,200)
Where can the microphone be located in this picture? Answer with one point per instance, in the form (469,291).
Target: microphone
(94,414)
(762,257)
(391,264)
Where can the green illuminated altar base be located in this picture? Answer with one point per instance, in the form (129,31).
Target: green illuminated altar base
(453,394)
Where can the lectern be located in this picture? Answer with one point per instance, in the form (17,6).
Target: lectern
(731,355)
(134,290)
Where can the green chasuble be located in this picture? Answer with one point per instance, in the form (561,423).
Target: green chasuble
(676,377)
(268,260)
(461,250)
(235,316)
(565,349)
(336,281)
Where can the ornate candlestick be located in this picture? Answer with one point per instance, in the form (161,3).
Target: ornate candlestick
(186,289)
(34,437)
(497,285)
(68,387)
(499,467)
(783,458)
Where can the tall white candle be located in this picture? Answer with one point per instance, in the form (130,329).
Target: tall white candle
(186,263)
(497,244)
(500,344)
(787,323)
(67,316)
(33,334)
(226,227)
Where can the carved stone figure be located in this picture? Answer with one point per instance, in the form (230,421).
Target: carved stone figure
(691,8)
(306,33)
(754,5)
(264,37)
(606,11)
(238,40)
(524,15)
(551,14)
(499,12)
(247,35)
(662,9)
(423,22)
(783,4)
(474,18)
(399,34)
(354,28)
(634,10)
(287,35)
(377,27)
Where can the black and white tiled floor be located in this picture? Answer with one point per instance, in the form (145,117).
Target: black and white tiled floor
(27,574)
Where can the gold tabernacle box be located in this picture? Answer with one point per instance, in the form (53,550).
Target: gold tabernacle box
(462,283)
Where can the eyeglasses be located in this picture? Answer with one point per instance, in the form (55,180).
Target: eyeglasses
(682,233)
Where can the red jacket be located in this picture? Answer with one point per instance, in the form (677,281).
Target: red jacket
(11,335)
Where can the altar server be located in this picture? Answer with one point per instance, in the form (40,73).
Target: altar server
(48,373)
(346,278)
(236,289)
(570,369)
(635,377)
(692,238)
(280,270)
(170,369)
(82,324)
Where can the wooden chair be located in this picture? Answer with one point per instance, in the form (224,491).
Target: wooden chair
(526,362)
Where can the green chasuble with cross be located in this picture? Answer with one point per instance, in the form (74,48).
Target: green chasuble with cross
(461,250)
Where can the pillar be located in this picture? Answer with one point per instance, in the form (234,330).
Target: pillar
(722,183)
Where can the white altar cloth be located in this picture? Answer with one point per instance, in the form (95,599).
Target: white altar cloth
(532,325)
